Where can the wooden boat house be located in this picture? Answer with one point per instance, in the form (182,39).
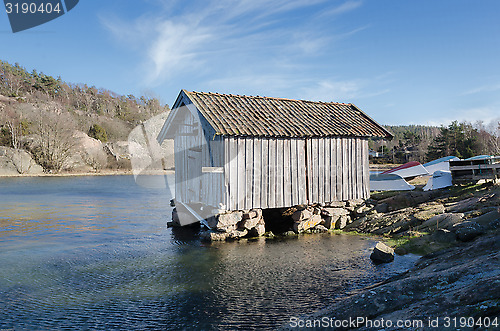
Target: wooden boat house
(236,152)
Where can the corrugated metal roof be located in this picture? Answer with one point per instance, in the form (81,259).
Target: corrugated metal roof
(240,115)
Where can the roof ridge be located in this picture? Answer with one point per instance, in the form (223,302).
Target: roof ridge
(270,98)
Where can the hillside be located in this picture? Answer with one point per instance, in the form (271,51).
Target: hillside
(65,126)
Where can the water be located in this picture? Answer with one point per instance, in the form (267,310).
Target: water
(95,253)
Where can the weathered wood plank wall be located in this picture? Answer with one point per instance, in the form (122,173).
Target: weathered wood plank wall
(271,172)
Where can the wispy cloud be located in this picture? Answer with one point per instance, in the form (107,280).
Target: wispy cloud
(488,115)
(243,43)
(484,88)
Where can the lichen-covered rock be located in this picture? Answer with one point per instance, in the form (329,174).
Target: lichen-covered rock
(382,253)
(307,224)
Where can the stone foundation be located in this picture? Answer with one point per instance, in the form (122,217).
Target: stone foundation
(316,218)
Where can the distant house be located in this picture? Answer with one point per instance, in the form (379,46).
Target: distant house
(236,152)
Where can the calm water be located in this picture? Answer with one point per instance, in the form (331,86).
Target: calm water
(95,253)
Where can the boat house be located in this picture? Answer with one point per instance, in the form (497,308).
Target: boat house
(236,152)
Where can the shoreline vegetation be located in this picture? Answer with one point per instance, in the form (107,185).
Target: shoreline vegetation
(125,172)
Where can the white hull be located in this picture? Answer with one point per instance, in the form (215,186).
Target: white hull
(414,171)
(389,182)
(439,179)
(442,164)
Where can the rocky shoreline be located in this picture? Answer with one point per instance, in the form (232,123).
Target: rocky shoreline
(457,281)
(456,230)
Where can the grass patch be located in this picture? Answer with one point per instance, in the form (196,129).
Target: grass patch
(380,195)
(421,243)
(461,191)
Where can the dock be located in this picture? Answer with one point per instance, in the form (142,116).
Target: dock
(473,170)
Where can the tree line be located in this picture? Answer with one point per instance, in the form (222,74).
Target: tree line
(426,143)
(40,113)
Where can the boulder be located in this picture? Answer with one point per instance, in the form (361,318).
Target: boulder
(444,236)
(237,234)
(382,253)
(225,222)
(334,212)
(307,224)
(466,231)
(17,161)
(329,222)
(258,230)
(214,236)
(463,205)
(342,222)
(119,150)
(254,213)
(355,202)
(250,223)
(301,215)
(382,207)
(91,150)
(320,228)
(336,204)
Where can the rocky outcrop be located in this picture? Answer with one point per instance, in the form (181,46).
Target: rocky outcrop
(15,162)
(461,281)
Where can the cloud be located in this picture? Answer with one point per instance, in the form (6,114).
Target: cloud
(236,43)
(482,89)
(343,8)
(487,114)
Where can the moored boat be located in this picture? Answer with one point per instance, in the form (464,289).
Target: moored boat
(408,170)
(442,164)
(389,182)
(439,179)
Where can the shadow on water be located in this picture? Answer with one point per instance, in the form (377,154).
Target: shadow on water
(95,253)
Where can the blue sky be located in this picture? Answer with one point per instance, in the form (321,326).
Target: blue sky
(402,62)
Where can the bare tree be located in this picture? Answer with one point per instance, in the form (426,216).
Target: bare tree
(12,119)
(55,141)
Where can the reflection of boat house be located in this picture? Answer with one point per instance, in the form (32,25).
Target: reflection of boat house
(240,152)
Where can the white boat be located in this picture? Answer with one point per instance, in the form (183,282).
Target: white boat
(442,164)
(389,182)
(408,170)
(439,179)
(478,157)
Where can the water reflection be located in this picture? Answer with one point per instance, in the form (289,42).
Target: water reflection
(95,253)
